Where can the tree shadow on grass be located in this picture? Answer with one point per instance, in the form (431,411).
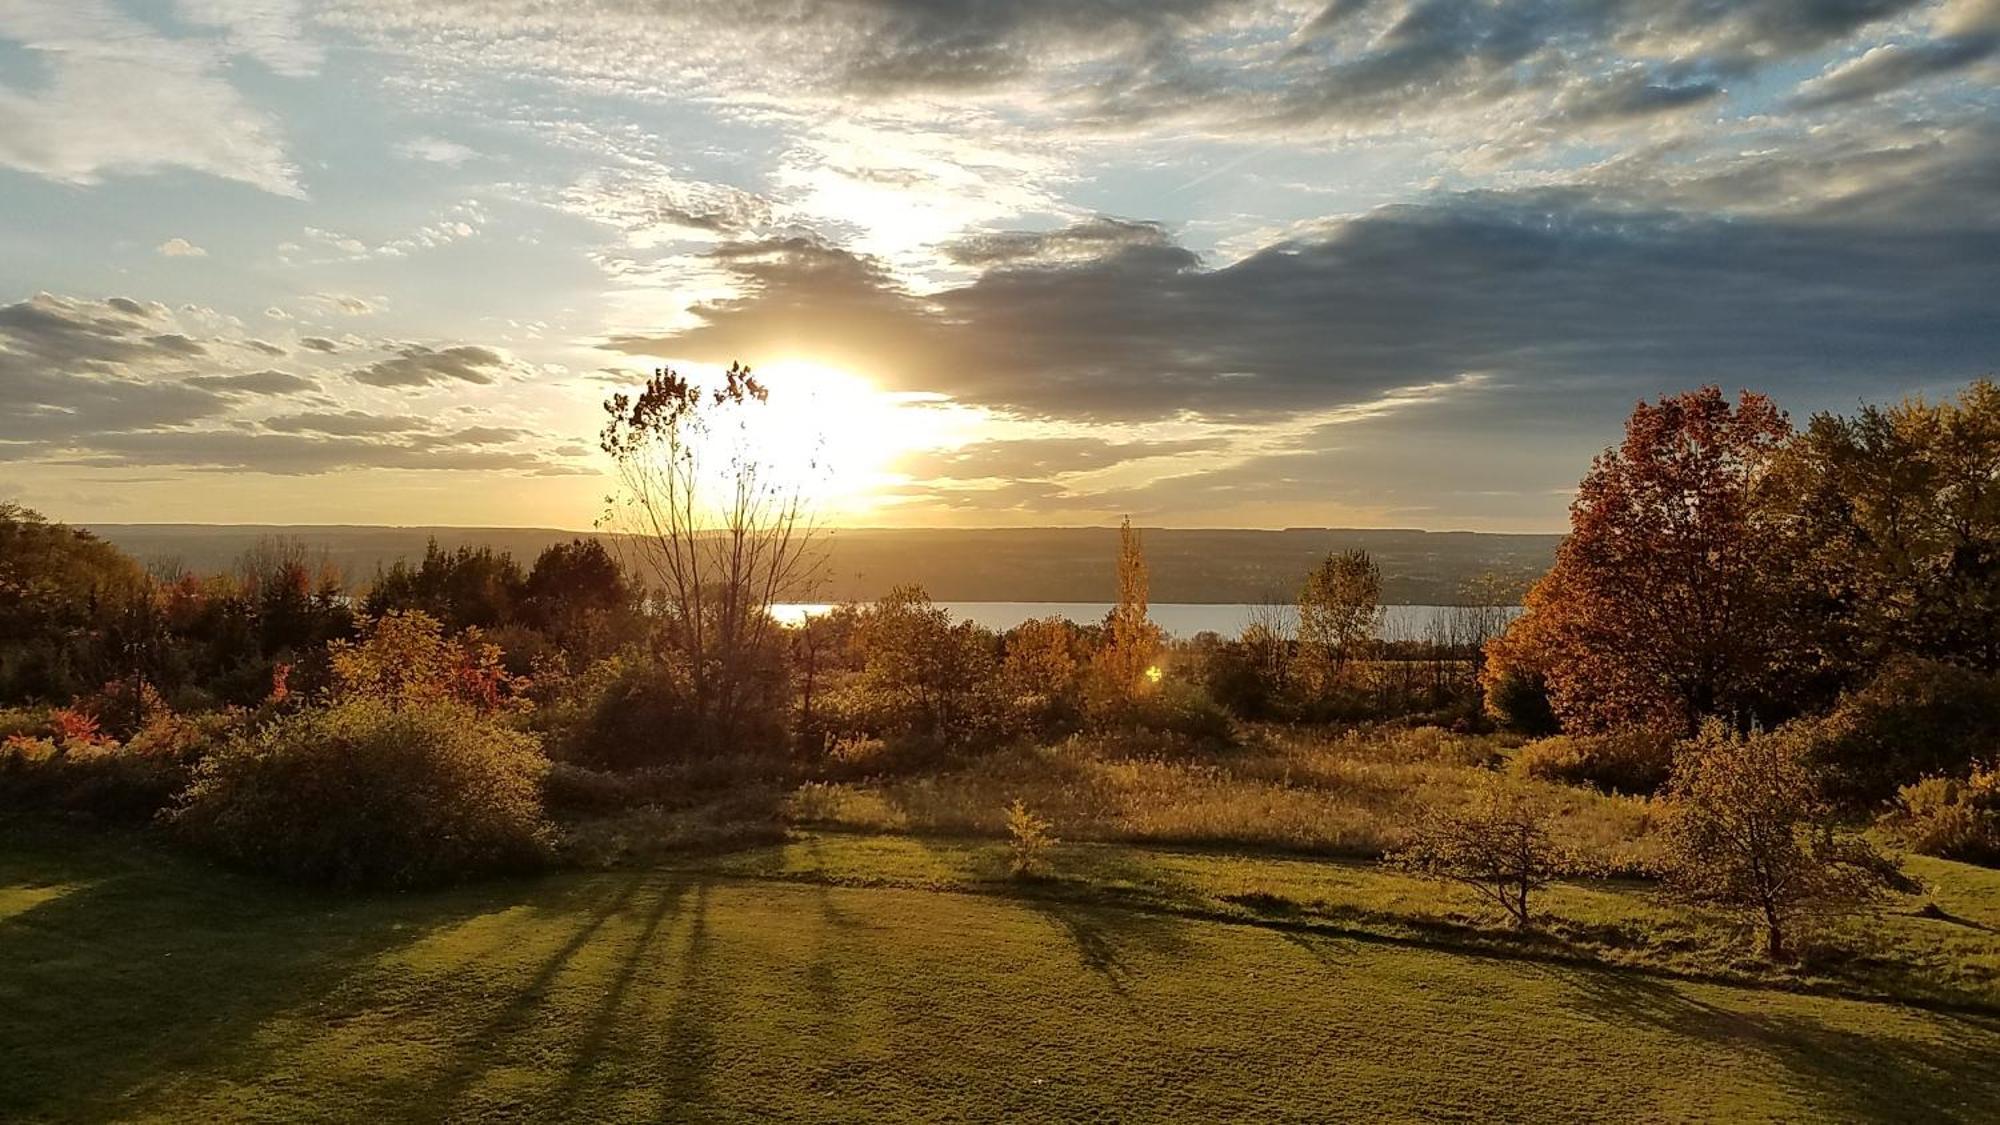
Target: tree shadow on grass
(1881,1076)
(597,1043)
(690,1032)
(157,966)
(1106,937)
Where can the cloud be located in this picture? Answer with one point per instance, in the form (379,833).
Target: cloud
(1893,66)
(72,367)
(1538,286)
(348,423)
(415,365)
(318,344)
(100,384)
(271,31)
(307,454)
(179,248)
(121,99)
(1232,70)
(269,382)
(346,304)
(435,150)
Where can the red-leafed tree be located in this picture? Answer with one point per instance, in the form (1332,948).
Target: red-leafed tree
(1665,605)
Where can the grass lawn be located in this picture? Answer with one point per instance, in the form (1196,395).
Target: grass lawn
(785,983)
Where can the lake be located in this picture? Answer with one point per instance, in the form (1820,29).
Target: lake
(1399,622)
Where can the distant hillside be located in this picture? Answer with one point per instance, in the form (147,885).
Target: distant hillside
(1007,564)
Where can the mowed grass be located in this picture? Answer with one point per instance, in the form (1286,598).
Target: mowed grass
(135,985)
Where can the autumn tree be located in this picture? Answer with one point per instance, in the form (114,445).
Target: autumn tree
(720,535)
(1045,661)
(1340,608)
(1894,517)
(1664,605)
(1131,654)
(1747,831)
(926,674)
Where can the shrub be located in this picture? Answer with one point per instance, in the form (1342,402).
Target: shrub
(575,788)
(364,794)
(1747,831)
(1173,707)
(405,657)
(1498,844)
(1028,840)
(1518,699)
(624,712)
(1915,719)
(79,770)
(1636,762)
(1953,818)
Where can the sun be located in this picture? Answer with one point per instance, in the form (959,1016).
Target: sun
(833,435)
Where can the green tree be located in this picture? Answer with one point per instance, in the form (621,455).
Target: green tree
(928,675)
(1894,515)
(1340,607)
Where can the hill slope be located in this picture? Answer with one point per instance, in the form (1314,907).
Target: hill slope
(1008,564)
(143,987)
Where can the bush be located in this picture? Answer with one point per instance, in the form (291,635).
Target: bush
(102,781)
(1915,719)
(623,713)
(67,765)
(1498,844)
(1953,818)
(1518,700)
(1028,841)
(1175,708)
(364,794)
(1747,831)
(1633,762)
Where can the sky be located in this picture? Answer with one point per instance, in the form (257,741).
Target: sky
(1401,263)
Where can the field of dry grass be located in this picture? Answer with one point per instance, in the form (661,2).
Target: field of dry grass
(1353,793)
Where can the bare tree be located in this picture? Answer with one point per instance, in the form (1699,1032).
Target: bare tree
(719,534)
(1498,844)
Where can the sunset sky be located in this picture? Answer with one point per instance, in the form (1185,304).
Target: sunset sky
(1377,263)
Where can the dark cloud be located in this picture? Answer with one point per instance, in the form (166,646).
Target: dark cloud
(1630,95)
(255,383)
(347,423)
(263,347)
(415,366)
(304,454)
(130,307)
(1082,242)
(1895,66)
(318,344)
(70,367)
(95,383)
(178,344)
(1533,286)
